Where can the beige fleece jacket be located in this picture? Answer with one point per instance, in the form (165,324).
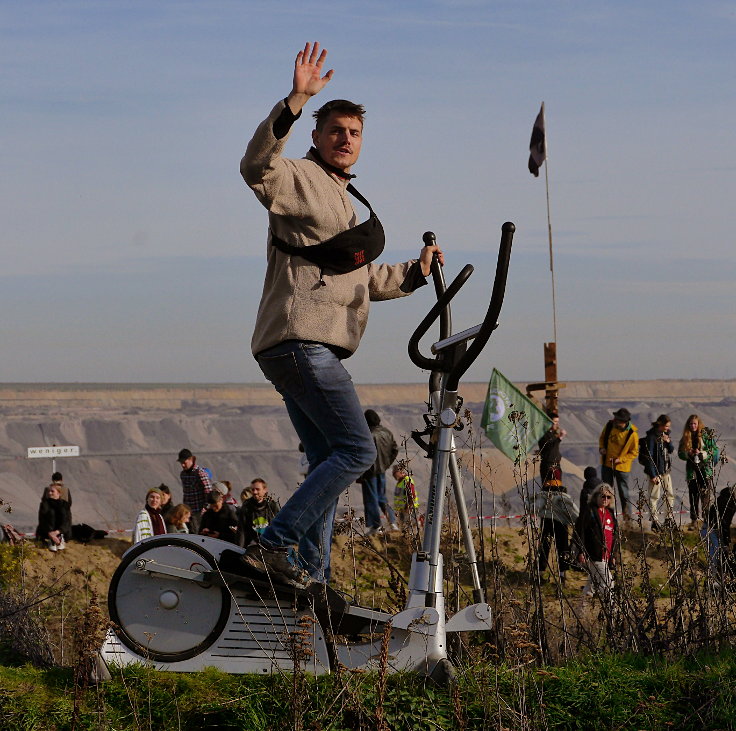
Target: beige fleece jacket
(307,205)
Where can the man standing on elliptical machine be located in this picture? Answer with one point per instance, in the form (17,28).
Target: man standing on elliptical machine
(320,279)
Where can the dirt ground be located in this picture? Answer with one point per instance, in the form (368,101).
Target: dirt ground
(372,570)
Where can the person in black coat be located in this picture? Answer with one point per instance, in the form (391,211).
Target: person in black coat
(591,482)
(549,450)
(54,520)
(219,520)
(596,533)
(255,513)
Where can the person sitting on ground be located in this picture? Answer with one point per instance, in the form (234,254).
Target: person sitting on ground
(590,475)
(58,480)
(219,520)
(256,512)
(54,520)
(406,501)
(596,534)
(557,511)
(150,522)
(178,519)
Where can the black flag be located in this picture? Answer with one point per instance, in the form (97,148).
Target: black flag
(537,145)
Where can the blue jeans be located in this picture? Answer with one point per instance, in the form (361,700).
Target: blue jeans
(323,407)
(371,506)
(622,482)
(383,502)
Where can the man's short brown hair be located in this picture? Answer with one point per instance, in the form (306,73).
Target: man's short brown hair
(343,106)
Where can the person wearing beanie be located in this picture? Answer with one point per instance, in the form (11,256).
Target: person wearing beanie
(618,445)
(150,522)
(591,481)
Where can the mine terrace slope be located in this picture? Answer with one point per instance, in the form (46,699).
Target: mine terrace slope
(129,436)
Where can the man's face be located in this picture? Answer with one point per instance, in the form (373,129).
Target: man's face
(339,140)
(258,490)
(620,423)
(187,463)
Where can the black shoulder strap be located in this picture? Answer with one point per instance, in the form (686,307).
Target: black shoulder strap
(354,192)
(607,434)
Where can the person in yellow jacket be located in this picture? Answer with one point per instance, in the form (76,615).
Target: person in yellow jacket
(618,445)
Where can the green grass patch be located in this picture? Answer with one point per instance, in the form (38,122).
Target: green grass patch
(603,692)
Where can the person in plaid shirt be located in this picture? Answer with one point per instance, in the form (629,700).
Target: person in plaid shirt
(196,483)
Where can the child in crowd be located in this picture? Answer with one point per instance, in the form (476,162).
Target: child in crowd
(406,501)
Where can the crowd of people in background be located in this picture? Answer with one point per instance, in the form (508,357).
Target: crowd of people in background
(584,533)
(211,509)
(594,523)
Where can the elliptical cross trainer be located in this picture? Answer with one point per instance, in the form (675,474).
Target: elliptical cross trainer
(182,603)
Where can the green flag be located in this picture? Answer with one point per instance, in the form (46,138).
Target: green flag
(513,422)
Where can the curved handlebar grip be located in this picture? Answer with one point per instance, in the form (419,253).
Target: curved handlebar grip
(438,277)
(416,357)
(494,309)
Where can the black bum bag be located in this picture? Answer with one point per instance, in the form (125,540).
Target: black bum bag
(347,251)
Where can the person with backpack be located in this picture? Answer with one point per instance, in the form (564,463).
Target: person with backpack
(699,450)
(196,484)
(655,448)
(373,481)
(618,446)
(557,512)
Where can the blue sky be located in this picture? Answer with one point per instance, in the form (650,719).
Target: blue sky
(134,252)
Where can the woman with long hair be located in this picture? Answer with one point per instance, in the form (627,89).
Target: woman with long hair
(178,518)
(597,537)
(699,450)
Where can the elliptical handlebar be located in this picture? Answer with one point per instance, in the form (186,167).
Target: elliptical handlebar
(416,357)
(489,323)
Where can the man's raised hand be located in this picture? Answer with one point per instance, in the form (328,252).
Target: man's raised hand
(308,79)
